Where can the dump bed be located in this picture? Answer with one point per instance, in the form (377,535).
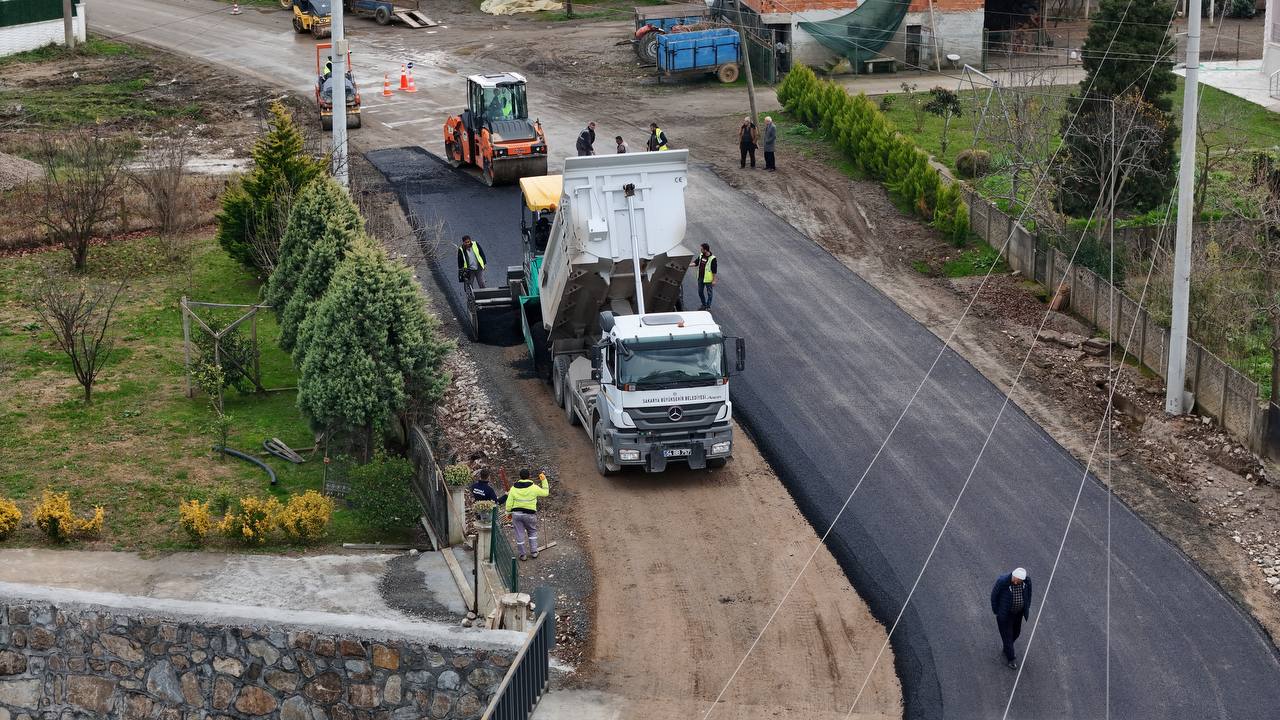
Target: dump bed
(587,267)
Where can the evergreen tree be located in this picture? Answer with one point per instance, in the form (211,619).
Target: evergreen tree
(370,347)
(1128,50)
(325,253)
(253,208)
(323,214)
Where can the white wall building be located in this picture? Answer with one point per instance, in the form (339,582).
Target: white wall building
(30,24)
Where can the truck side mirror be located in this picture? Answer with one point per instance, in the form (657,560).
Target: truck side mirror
(742,354)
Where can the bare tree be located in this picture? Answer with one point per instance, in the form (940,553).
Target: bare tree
(78,192)
(268,229)
(79,315)
(163,179)
(1216,142)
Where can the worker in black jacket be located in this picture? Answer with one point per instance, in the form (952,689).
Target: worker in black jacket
(586,144)
(470,262)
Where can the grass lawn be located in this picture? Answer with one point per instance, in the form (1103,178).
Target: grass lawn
(597,10)
(142,447)
(95,47)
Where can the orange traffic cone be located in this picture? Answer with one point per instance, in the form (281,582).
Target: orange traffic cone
(412,87)
(386,85)
(404,78)
(235,8)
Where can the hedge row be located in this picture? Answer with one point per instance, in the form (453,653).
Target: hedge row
(876,147)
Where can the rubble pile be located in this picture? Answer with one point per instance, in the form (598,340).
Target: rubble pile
(468,420)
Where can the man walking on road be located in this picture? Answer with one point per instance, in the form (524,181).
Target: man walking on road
(522,503)
(1011,603)
(470,262)
(748,137)
(770,138)
(657,139)
(586,144)
(707,267)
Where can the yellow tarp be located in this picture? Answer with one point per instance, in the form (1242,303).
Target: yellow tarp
(542,192)
(511,7)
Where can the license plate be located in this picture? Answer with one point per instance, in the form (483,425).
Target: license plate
(677,452)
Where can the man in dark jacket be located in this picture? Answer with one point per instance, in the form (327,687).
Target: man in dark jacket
(1011,603)
(471,262)
(481,489)
(587,140)
(748,137)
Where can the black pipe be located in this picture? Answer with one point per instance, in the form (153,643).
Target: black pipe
(236,453)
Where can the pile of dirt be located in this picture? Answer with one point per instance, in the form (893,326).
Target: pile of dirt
(15,171)
(468,420)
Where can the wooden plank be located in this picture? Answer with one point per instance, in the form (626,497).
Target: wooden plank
(426,21)
(404,18)
(460,578)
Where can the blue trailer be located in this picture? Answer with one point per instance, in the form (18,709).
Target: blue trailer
(716,52)
(654,21)
(384,11)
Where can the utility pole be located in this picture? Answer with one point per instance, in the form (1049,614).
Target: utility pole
(1177,375)
(68,25)
(746,61)
(339,81)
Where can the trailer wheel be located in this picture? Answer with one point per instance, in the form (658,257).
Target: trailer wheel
(382,15)
(603,465)
(727,72)
(647,47)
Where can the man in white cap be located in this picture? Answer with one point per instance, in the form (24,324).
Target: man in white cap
(1011,603)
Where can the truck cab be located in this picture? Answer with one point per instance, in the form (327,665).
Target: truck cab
(656,390)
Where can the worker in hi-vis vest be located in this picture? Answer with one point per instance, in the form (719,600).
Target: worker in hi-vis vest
(470,262)
(707,268)
(522,503)
(657,138)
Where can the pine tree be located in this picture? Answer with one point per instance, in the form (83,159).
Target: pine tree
(324,254)
(370,347)
(321,206)
(250,222)
(1128,49)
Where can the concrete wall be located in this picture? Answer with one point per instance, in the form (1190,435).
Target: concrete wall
(959,32)
(21,38)
(1271,38)
(73,656)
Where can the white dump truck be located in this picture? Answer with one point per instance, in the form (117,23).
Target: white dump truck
(599,296)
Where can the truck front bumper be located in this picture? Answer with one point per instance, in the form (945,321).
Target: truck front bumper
(655,452)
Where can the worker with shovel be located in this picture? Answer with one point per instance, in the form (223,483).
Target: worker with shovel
(522,503)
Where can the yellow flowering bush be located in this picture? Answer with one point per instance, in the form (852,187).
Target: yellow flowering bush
(307,516)
(54,518)
(10,517)
(252,520)
(195,519)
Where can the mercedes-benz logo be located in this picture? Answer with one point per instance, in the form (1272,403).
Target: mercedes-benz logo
(674,413)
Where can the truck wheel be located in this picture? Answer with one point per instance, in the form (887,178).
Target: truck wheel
(559,369)
(473,314)
(355,122)
(727,72)
(382,15)
(603,464)
(286,4)
(297,25)
(326,122)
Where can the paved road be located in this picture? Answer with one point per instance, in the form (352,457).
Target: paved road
(832,363)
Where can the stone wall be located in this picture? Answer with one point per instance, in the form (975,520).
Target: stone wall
(71,656)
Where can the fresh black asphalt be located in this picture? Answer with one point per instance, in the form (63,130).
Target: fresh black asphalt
(831,364)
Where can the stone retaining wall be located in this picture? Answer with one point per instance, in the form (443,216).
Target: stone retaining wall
(64,659)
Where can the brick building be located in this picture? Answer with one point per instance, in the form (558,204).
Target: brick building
(30,24)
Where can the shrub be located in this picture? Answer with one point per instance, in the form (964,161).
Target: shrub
(458,475)
(10,517)
(380,495)
(307,516)
(973,163)
(195,519)
(223,500)
(54,518)
(483,510)
(252,521)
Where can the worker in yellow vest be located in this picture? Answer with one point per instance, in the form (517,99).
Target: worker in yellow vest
(657,139)
(522,503)
(470,262)
(707,268)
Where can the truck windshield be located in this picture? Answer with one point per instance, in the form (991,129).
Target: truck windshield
(671,366)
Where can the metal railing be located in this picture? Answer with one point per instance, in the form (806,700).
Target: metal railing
(526,680)
(503,557)
(428,483)
(1275,84)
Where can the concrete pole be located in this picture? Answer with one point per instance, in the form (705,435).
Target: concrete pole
(746,61)
(933,38)
(1177,375)
(68,24)
(340,49)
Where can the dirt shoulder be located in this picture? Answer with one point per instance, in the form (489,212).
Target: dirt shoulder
(1193,483)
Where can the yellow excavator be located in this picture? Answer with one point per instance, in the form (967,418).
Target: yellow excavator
(311,16)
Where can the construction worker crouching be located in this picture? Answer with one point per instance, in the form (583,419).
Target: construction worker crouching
(522,503)
(470,262)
